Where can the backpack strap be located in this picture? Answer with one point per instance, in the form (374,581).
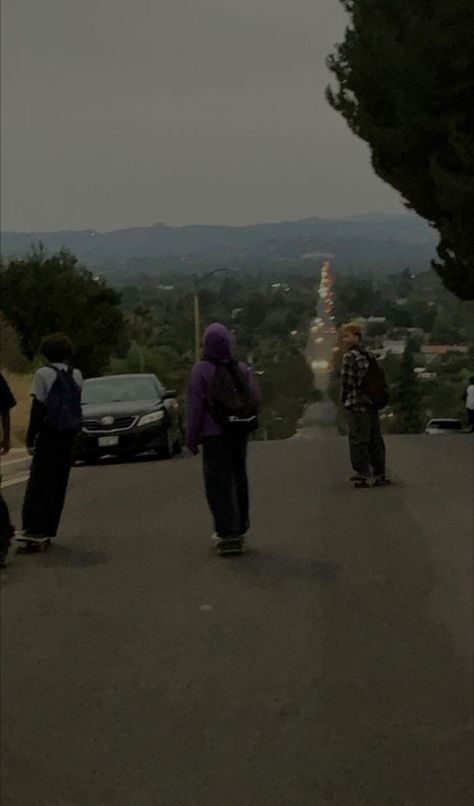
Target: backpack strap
(237,375)
(68,371)
(370,358)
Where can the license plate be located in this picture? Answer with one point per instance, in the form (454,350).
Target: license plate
(108,442)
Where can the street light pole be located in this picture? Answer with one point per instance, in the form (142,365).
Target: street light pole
(197,312)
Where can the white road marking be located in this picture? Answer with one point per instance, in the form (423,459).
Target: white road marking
(12,482)
(8,462)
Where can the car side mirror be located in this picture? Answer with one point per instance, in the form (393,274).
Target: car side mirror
(169,394)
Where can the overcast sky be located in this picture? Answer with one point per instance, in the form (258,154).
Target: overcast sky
(119,113)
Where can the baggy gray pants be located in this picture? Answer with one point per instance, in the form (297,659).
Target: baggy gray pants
(367,447)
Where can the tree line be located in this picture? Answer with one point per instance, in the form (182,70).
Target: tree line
(149,326)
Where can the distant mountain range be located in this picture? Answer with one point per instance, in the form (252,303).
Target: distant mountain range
(372,240)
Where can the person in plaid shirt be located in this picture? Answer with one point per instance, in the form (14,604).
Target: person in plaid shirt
(367,447)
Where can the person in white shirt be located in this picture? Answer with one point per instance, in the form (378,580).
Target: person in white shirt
(7,402)
(469,401)
(54,422)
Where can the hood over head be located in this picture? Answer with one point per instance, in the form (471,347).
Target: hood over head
(217,343)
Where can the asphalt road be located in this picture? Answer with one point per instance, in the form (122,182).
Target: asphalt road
(332,665)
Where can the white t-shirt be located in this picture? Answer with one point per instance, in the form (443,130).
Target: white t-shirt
(45,377)
(470,396)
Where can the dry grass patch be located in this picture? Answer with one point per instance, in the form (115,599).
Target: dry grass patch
(21,388)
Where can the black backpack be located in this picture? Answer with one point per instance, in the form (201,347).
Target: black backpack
(233,406)
(63,404)
(374,386)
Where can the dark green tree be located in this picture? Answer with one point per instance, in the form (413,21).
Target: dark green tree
(140,324)
(11,356)
(43,294)
(255,311)
(376,329)
(405,283)
(408,398)
(406,86)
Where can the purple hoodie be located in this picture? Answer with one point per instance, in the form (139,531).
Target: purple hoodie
(217,348)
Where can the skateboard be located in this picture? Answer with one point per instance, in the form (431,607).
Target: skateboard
(363,483)
(33,543)
(230,547)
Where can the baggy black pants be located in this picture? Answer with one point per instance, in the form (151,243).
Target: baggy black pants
(47,485)
(6,528)
(225,477)
(366,443)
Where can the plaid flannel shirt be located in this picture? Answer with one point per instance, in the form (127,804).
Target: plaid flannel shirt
(354,369)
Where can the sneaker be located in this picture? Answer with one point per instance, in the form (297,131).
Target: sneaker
(359,477)
(216,539)
(30,535)
(381,481)
(362,483)
(30,539)
(230,546)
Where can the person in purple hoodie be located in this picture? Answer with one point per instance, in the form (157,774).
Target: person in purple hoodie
(224,453)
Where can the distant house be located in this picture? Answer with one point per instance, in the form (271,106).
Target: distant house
(422,373)
(280,287)
(417,332)
(394,346)
(433,351)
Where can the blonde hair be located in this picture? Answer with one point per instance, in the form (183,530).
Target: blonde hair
(353,328)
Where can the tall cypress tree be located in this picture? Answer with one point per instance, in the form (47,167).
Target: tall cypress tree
(406,86)
(408,398)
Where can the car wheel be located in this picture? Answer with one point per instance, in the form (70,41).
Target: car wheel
(90,460)
(167,450)
(178,444)
(181,439)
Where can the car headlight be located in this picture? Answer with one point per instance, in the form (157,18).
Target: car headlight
(153,417)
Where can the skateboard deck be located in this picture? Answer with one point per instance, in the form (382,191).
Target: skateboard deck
(362,484)
(33,543)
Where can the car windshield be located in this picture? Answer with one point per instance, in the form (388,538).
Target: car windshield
(119,390)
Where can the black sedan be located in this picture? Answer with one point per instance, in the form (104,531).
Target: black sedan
(124,415)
